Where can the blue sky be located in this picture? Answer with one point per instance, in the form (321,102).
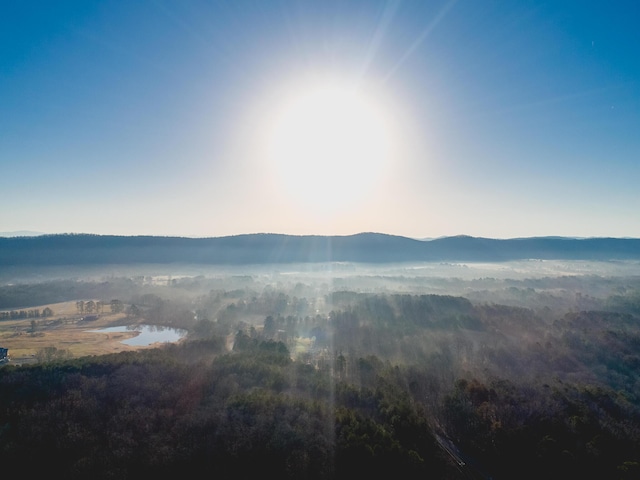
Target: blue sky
(510,119)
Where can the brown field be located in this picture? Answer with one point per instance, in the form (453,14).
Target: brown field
(65,330)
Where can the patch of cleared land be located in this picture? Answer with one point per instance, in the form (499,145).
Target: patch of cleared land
(65,330)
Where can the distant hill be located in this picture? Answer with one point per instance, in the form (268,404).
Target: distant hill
(77,249)
(21,233)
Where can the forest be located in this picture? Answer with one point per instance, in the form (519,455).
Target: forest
(444,371)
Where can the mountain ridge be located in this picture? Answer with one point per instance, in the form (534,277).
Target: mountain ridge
(264,248)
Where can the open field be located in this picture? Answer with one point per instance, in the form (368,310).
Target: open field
(65,330)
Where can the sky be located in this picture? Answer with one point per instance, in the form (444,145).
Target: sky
(419,118)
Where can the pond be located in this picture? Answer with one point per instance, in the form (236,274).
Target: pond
(148,334)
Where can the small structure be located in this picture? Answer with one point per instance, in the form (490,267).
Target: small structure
(4,355)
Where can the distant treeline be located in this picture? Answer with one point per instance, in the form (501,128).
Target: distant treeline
(21,314)
(23,295)
(274,248)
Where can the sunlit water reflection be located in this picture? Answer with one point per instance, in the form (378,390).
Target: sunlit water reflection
(148,334)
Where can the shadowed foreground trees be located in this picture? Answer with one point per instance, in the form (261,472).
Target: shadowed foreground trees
(392,385)
(247,414)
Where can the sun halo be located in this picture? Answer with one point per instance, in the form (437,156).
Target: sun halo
(328,144)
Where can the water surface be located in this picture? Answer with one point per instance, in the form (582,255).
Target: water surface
(148,334)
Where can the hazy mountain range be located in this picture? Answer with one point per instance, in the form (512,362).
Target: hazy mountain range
(76,249)
(21,233)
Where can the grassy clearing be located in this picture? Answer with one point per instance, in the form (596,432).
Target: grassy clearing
(65,330)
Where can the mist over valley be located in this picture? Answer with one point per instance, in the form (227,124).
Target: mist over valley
(321,369)
(320,240)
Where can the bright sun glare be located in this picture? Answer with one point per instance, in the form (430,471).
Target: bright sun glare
(328,145)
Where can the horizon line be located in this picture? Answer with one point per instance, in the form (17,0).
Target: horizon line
(34,234)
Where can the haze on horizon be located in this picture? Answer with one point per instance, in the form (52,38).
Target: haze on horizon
(421,119)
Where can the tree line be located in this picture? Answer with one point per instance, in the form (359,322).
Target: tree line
(22,314)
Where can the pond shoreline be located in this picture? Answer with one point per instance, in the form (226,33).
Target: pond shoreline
(145,335)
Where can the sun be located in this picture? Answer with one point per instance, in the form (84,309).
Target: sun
(328,145)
